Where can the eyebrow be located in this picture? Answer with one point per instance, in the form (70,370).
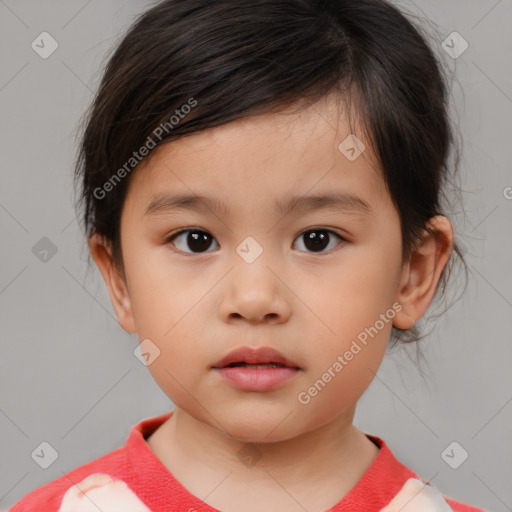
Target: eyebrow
(339,201)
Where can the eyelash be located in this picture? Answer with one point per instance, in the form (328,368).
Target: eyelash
(174,235)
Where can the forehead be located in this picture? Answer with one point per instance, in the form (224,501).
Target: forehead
(265,157)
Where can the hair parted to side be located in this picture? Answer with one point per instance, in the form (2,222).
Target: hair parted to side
(189,65)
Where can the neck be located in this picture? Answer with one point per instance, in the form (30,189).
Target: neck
(333,456)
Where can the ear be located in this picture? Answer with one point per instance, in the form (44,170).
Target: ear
(115,281)
(422,272)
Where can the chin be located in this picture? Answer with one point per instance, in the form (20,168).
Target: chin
(262,427)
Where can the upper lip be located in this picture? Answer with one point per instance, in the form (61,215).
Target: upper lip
(259,355)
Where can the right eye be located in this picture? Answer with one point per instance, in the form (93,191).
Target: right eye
(196,240)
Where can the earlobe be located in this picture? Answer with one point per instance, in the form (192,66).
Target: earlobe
(421,275)
(114,281)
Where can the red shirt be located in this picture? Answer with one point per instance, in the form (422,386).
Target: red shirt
(146,484)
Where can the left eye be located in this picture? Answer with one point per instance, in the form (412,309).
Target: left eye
(317,239)
(198,241)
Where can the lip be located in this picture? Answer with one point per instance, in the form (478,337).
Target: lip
(249,355)
(257,379)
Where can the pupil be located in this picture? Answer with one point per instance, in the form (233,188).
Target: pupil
(198,240)
(316,240)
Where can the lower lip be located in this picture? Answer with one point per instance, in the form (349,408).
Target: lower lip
(257,379)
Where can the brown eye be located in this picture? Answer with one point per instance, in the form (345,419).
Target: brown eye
(191,240)
(197,241)
(317,239)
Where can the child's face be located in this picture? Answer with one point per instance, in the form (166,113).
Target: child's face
(310,304)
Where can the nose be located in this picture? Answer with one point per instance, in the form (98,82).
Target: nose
(255,293)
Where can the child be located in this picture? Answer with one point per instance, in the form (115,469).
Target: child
(304,144)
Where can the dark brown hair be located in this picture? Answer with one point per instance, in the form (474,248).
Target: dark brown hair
(190,65)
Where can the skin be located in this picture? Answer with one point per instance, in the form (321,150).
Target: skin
(197,307)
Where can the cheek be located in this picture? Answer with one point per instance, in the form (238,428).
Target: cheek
(167,305)
(354,315)
(350,296)
(339,377)
(182,359)
(161,294)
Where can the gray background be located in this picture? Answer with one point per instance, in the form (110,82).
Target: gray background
(68,375)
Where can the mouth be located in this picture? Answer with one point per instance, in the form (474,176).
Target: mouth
(261,369)
(264,357)
(257,377)
(257,366)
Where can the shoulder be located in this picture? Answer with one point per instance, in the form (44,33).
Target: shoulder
(457,506)
(106,483)
(389,475)
(50,497)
